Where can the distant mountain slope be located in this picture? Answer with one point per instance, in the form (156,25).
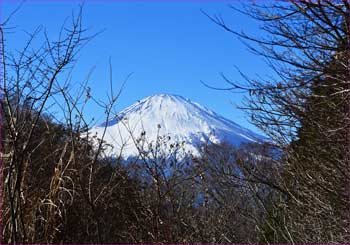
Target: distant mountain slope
(174,116)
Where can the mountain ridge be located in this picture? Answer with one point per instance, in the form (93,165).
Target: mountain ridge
(175,116)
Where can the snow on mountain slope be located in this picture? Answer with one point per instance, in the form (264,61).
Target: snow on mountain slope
(174,116)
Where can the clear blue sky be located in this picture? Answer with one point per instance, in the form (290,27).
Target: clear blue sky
(168,46)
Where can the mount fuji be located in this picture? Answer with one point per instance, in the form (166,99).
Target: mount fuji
(171,116)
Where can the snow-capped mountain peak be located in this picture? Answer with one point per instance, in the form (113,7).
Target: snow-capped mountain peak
(174,116)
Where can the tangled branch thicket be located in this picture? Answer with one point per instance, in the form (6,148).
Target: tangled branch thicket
(58,186)
(305,110)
